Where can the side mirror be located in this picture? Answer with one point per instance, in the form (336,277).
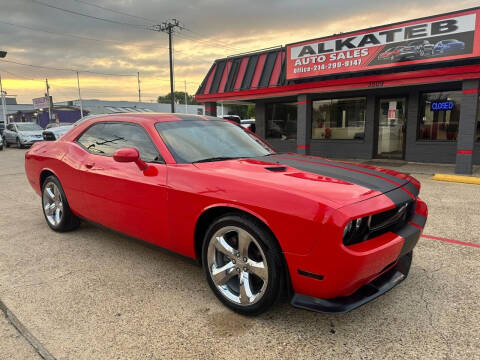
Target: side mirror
(130,155)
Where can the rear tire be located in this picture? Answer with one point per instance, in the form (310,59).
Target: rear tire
(55,206)
(7,145)
(243,264)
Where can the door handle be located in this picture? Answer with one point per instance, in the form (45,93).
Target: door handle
(89,165)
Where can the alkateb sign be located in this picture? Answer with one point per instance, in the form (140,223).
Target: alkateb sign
(438,38)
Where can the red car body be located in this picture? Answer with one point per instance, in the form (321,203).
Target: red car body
(392,53)
(306,211)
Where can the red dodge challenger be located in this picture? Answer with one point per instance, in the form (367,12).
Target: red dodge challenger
(333,235)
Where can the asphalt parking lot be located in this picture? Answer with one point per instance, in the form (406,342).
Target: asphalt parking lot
(95,294)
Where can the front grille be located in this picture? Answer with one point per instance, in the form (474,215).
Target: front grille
(383,222)
(391,219)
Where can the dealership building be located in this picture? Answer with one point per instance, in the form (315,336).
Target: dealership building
(407,90)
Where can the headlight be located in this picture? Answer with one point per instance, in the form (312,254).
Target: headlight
(356,231)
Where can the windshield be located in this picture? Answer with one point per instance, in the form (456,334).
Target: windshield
(200,140)
(28,127)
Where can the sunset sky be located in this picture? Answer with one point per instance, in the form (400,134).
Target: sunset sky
(37,34)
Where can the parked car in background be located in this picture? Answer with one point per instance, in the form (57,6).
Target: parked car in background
(391,54)
(332,235)
(234,118)
(54,131)
(248,124)
(2,127)
(416,49)
(22,134)
(449,45)
(1,143)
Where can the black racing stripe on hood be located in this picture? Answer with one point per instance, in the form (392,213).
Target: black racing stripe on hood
(362,179)
(353,167)
(412,189)
(398,196)
(406,185)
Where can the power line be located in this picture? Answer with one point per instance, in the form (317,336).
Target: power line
(137,26)
(115,11)
(195,33)
(64,69)
(16,75)
(55,33)
(182,26)
(35,29)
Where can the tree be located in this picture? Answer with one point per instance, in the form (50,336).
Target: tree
(179,98)
(240,110)
(251,111)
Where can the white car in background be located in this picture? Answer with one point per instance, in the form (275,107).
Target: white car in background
(54,131)
(22,134)
(248,124)
(1,143)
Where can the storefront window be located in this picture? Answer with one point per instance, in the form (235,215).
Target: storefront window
(439,116)
(339,118)
(281,121)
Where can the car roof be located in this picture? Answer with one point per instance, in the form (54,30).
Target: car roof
(148,117)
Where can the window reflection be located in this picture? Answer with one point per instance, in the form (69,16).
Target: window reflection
(439,122)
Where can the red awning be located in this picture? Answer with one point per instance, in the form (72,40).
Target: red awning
(251,71)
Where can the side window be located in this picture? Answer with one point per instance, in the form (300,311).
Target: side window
(10,127)
(106,138)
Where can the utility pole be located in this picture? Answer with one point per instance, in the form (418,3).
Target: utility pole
(2,94)
(186,99)
(138,82)
(79,96)
(4,105)
(169,28)
(49,102)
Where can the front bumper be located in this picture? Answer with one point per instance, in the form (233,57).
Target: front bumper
(335,275)
(385,282)
(28,142)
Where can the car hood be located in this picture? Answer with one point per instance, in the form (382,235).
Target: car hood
(339,183)
(29,133)
(60,130)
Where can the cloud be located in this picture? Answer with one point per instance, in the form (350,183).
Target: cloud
(215,29)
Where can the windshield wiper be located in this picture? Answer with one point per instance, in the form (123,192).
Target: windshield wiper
(218,158)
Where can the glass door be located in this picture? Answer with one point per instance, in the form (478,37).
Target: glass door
(391,128)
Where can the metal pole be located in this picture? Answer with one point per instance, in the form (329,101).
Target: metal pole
(79,96)
(4,105)
(138,82)
(49,102)
(172,95)
(186,98)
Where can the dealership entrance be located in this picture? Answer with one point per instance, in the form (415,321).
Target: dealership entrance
(391,128)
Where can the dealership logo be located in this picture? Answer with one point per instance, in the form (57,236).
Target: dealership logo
(417,31)
(424,40)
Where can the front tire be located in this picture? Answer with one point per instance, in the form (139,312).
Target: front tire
(242,262)
(55,206)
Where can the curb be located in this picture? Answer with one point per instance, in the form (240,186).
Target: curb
(457,178)
(32,340)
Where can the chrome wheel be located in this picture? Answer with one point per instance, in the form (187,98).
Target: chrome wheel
(237,265)
(52,204)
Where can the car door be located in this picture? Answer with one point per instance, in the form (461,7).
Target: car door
(10,133)
(120,195)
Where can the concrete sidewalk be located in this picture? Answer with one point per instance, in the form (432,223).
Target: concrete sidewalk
(414,168)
